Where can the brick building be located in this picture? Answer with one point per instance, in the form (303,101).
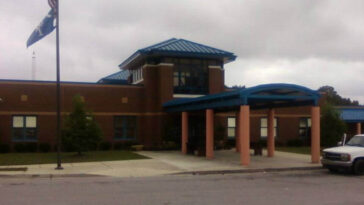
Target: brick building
(136,103)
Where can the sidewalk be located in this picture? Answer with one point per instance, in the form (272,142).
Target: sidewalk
(168,162)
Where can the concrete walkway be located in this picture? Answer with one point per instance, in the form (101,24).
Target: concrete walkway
(165,162)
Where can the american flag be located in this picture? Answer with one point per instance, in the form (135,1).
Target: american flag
(53,4)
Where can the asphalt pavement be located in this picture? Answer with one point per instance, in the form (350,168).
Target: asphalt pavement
(292,187)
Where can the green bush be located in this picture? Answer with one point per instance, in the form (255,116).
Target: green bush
(104,146)
(4,148)
(66,147)
(332,127)
(124,145)
(169,145)
(31,147)
(44,147)
(93,146)
(80,131)
(295,143)
(20,147)
(119,146)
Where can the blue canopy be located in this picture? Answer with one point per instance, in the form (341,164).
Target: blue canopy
(352,114)
(258,97)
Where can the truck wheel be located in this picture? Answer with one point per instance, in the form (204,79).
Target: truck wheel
(359,167)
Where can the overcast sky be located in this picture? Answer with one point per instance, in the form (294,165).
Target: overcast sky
(307,42)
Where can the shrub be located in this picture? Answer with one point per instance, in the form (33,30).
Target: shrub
(44,147)
(127,145)
(295,143)
(80,132)
(118,146)
(104,146)
(93,146)
(4,148)
(19,147)
(169,145)
(31,147)
(332,127)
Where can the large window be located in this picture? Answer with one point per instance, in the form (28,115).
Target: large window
(231,127)
(24,128)
(125,127)
(190,76)
(304,130)
(264,127)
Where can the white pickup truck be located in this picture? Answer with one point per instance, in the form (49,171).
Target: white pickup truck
(349,157)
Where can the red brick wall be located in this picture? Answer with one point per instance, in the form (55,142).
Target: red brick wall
(216,80)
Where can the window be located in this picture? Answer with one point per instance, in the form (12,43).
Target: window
(24,128)
(264,127)
(304,129)
(231,127)
(125,127)
(137,75)
(190,76)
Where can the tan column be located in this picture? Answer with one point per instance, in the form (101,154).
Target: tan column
(184,132)
(237,141)
(315,134)
(209,133)
(358,128)
(244,135)
(270,138)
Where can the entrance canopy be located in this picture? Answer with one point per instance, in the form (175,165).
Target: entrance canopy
(352,114)
(258,97)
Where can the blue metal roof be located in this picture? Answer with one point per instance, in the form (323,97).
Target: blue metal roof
(181,47)
(352,114)
(120,77)
(258,97)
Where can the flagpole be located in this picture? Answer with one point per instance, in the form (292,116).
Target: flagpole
(59,166)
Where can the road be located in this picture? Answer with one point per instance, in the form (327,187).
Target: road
(296,187)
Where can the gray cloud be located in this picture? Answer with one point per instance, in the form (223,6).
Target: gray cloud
(312,43)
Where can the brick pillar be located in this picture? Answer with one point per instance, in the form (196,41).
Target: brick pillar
(244,135)
(209,133)
(184,132)
(270,138)
(237,141)
(358,128)
(315,134)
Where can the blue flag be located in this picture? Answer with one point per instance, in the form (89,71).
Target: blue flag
(45,27)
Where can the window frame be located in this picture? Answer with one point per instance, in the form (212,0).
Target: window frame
(125,125)
(231,127)
(306,128)
(24,129)
(275,127)
(190,76)
(137,75)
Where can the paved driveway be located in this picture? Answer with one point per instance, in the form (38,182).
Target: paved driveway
(230,160)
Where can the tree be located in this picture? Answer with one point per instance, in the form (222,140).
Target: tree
(80,132)
(334,98)
(332,127)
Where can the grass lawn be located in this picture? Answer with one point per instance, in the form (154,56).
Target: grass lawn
(298,150)
(49,158)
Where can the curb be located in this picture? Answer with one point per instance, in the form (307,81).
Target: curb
(242,171)
(50,176)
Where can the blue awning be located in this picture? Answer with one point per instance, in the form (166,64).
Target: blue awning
(352,114)
(258,97)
